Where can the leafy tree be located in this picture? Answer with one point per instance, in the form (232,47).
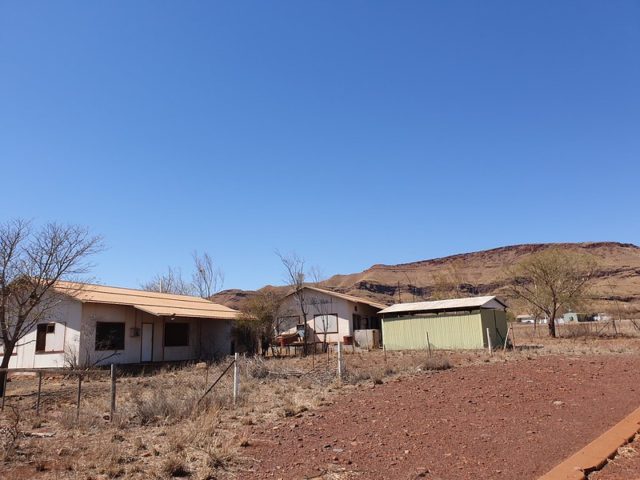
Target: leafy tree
(258,322)
(553,280)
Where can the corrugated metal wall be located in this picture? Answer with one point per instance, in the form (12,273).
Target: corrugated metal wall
(445,332)
(496,322)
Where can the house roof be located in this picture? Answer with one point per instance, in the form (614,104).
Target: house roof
(344,296)
(158,304)
(443,305)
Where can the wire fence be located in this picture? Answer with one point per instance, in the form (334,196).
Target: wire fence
(106,390)
(151,392)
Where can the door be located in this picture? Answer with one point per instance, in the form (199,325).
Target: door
(146,354)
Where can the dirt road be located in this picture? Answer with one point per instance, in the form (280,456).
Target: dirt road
(510,420)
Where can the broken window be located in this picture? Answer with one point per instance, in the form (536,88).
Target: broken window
(176,334)
(42,330)
(109,336)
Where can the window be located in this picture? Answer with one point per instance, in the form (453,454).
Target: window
(176,334)
(109,336)
(41,335)
(325,323)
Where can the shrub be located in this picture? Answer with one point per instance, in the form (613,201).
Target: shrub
(173,466)
(9,433)
(436,363)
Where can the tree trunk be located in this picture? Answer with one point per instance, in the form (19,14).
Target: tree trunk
(305,337)
(552,322)
(4,364)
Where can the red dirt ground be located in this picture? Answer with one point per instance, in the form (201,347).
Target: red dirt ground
(491,421)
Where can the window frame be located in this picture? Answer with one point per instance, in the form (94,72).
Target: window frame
(113,346)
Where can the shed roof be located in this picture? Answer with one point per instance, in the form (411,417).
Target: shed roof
(158,304)
(444,305)
(344,296)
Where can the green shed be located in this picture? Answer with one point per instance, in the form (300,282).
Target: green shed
(455,324)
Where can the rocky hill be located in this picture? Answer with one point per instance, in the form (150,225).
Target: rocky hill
(616,289)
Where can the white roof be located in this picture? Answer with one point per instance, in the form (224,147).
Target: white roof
(451,304)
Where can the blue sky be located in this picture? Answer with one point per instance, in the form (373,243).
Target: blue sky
(352,132)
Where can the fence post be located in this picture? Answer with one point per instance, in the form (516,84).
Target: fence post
(513,338)
(113,392)
(236,379)
(340,360)
(506,338)
(428,343)
(489,342)
(79,395)
(39,390)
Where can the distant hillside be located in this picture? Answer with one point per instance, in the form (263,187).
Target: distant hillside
(617,288)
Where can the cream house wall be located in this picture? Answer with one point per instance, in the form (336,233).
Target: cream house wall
(66,316)
(133,320)
(73,339)
(318,303)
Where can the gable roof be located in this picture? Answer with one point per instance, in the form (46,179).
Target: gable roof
(154,303)
(344,296)
(444,305)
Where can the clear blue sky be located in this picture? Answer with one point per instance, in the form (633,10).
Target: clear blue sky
(351,132)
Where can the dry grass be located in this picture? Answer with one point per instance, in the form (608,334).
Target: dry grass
(162,430)
(438,362)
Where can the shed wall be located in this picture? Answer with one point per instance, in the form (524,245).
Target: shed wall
(496,322)
(445,332)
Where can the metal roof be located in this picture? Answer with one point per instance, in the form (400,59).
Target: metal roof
(443,305)
(344,296)
(158,304)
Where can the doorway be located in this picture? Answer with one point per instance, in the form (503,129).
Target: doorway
(146,354)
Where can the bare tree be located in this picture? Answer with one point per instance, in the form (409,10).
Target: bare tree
(169,282)
(31,262)
(552,280)
(295,278)
(207,277)
(320,305)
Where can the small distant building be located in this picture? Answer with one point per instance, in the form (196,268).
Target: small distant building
(332,317)
(571,317)
(459,323)
(526,318)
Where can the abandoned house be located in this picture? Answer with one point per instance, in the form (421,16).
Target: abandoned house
(459,323)
(331,317)
(95,324)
